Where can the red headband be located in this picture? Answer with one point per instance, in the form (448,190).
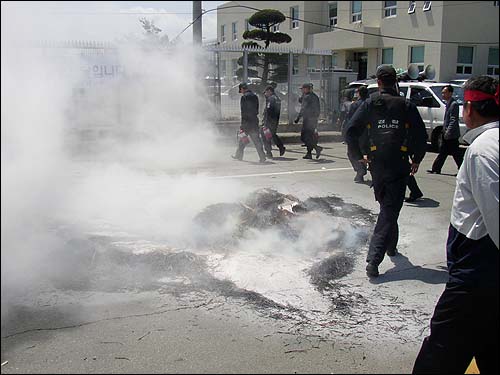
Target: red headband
(478,96)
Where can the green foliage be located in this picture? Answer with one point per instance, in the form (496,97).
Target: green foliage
(266,18)
(272,66)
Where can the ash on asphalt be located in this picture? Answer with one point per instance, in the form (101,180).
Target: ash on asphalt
(102,263)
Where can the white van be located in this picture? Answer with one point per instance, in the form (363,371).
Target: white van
(427,97)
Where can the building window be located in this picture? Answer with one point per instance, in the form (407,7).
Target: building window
(223,33)
(311,63)
(247,25)
(496,3)
(464,60)
(387,55)
(334,59)
(355,11)
(275,28)
(427,5)
(492,62)
(417,56)
(295,65)
(333,13)
(411,7)
(294,17)
(235,31)
(390,8)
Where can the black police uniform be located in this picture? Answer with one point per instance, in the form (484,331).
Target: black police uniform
(310,111)
(271,120)
(359,168)
(394,132)
(250,124)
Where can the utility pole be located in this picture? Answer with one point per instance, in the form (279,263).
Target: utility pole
(197,26)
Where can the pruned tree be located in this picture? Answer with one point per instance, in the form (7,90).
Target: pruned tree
(271,66)
(153,34)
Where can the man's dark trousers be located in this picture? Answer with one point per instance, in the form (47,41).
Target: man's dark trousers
(464,325)
(390,194)
(449,147)
(277,140)
(307,134)
(254,136)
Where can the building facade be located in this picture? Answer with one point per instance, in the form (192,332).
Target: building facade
(458,38)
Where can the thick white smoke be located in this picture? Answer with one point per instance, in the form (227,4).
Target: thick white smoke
(94,154)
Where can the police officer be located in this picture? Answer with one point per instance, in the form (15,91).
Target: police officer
(359,168)
(271,121)
(310,111)
(395,133)
(249,122)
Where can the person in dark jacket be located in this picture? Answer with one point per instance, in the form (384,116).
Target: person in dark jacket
(309,111)
(395,133)
(249,122)
(465,320)
(271,120)
(451,133)
(359,168)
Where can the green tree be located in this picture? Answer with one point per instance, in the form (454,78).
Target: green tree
(271,66)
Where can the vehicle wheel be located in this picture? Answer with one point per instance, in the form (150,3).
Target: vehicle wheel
(437,139)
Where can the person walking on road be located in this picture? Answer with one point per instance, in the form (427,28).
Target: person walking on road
(395,133)
(249,104)
(271,120)
(451,133)
(465,320)
(309,111)
(359,168)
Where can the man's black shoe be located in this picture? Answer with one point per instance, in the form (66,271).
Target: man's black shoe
(236,158)
(307,156)
(269,155)
(262,160)
(411,199)
(318,151)
(392,252)
(282,151)
(371,270)
(432,172)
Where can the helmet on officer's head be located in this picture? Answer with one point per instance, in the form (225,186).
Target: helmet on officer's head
(307,86)
(242,85)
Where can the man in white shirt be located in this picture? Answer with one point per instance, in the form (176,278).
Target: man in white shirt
(465,320)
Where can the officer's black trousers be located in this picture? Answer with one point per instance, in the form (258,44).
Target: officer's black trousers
(254,136)
(277,140)
(464,325)
(390,194)
(307,135)
(413,186)
(449,147)
(359,168)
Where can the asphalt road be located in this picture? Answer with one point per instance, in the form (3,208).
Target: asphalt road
(47,329)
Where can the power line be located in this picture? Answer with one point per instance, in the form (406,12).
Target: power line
(121,13)
(339,28)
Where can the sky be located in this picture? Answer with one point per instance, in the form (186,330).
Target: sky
(107,20)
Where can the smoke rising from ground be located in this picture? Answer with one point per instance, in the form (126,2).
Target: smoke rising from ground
(119,157)
(79,153)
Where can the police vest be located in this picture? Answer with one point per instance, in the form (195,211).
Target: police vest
(388,126)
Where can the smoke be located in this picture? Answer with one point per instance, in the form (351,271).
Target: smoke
(85,152)
(116,152)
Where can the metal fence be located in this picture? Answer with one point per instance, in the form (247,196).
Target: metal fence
(232,65)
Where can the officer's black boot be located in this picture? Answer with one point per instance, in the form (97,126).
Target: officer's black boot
(372,270)
(307,156)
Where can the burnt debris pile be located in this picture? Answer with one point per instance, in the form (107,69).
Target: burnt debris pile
(112,264)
